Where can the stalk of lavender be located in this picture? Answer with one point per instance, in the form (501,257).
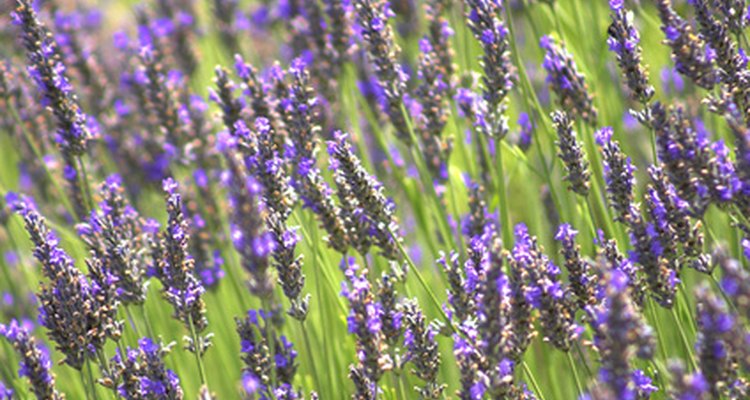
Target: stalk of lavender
(35,364)
(662,275)
(301,120)
(495,326)
(176,270)
(339,20)
(735,280)
(365,321)
(373,16)
(116,236)
(422,350)
(277,196)
(624,42)
(716,34)
(439,33)
(79,312)
(618,173)
(571,153)
(249,235)
(673,213)
(461,296)
(142,372)
(432,94)
(687,386)
(690,54)
(609,252)
(683,149)
(580,274)
(484,20)
(566,82)
(620,333)
(48,72)
(734,13)
(378,210)
(273,371)
(178,19)
(545,292)
(716,356)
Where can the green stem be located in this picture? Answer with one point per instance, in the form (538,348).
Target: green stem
(657,326)
(146,320)
(685,342)
(197,351)
(532,380)
(505,223)
(573,368)
(92,382)
(310,355)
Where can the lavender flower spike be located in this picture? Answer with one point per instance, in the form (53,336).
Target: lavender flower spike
(571,153)
(566,82)
(373,16)
(79,312)
(365,321)
(690,54)
(618,173)
(624,42)
(35,364)
(422,350)
(176,270)
(142,373)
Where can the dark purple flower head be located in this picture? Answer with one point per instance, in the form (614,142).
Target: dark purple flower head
(35,364)
(142,373)
(571,153)
(691,55)
(624,42)
(365,321)
(566,82)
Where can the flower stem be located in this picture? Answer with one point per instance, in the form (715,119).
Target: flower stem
(532,380)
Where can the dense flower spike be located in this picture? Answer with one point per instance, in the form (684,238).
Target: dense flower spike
(35,363)
(566,82)
(580,274)
(571,154)
(432,94)
(687,386)
(46,68)
(716,34)
(142,373)
(624,41)
(690,54)
(618,173)
(373,16)
(263,351)
(176,269)
(79,312)
(248,231)
(620,334)
(439,33)
(366,323)
(671,216)
(422,350)
(116,236)
(717,358)
(48,72)
(301,119)
(545,292)
(484,19)
(375,208)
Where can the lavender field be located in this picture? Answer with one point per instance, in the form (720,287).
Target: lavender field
(371,199)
